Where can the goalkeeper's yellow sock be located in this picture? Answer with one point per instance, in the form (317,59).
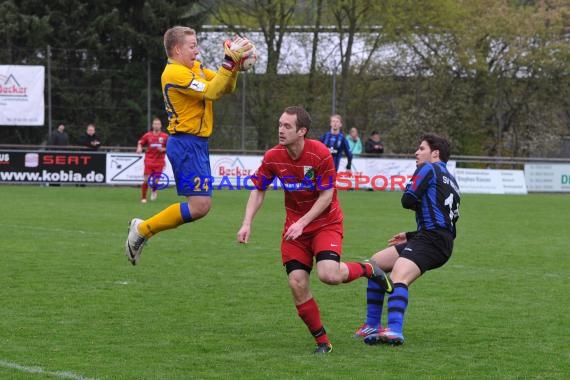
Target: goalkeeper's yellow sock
(171,217)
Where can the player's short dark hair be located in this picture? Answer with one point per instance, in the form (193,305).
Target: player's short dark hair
(303,117)
(440,143)
(175,36)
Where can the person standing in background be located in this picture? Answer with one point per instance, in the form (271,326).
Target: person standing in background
(154,158)
(354,142)
(374,145)
(59,137)
(90,139)
(335,141)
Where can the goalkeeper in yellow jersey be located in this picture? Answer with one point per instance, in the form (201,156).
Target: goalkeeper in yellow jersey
(189,91)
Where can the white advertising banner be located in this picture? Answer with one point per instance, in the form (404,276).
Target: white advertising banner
(22,95)
(229,171)
(491,181)
(128,169)
(513,181)
(232,172)
(479,181)
(547,177)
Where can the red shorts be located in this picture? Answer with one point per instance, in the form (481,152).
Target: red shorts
(307,246)
(153,167)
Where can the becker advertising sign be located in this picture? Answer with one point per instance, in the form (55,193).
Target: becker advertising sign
(22,95)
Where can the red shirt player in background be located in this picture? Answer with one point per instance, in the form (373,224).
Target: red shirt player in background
(155,141)
(314,221)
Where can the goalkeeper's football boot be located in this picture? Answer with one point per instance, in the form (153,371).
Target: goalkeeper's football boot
(381,278)
(135,242)
(323,348)
(365,330)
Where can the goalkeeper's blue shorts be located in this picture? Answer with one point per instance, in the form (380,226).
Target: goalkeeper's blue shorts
(190,159)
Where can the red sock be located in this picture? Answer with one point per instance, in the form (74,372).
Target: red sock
(357,270)
(309,313)
(144,189)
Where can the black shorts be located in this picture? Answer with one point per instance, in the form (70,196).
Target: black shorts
(428,249)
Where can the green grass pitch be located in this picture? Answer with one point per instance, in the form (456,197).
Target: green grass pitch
(201,306)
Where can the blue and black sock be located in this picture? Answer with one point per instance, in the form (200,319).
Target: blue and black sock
(397,304)
(374,303)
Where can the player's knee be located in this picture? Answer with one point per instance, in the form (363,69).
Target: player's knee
(328,264)
(298,287)
(200,207)
(330,277)
(295,283)
(201,212)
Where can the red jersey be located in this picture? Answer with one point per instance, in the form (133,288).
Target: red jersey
(153,143)
(302,180)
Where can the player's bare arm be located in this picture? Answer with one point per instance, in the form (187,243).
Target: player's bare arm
(256,198)
(296,229)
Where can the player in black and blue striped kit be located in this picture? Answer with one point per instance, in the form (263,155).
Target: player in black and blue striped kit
(336,142)
(434,195)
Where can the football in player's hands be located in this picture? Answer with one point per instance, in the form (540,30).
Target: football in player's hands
(242,52)
(236,48)
(248,60)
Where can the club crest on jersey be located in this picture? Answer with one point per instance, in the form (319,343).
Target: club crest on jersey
(309,172)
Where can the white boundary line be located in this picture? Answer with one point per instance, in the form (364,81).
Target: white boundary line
(40,370)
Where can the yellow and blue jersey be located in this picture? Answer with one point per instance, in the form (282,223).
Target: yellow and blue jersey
(189,93)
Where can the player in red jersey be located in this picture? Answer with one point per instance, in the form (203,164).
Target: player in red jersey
(155,141)
(314,220)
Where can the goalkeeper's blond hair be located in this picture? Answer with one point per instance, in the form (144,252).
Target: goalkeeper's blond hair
(174,36)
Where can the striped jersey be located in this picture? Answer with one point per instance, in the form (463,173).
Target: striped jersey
(435,197)
(337,144)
